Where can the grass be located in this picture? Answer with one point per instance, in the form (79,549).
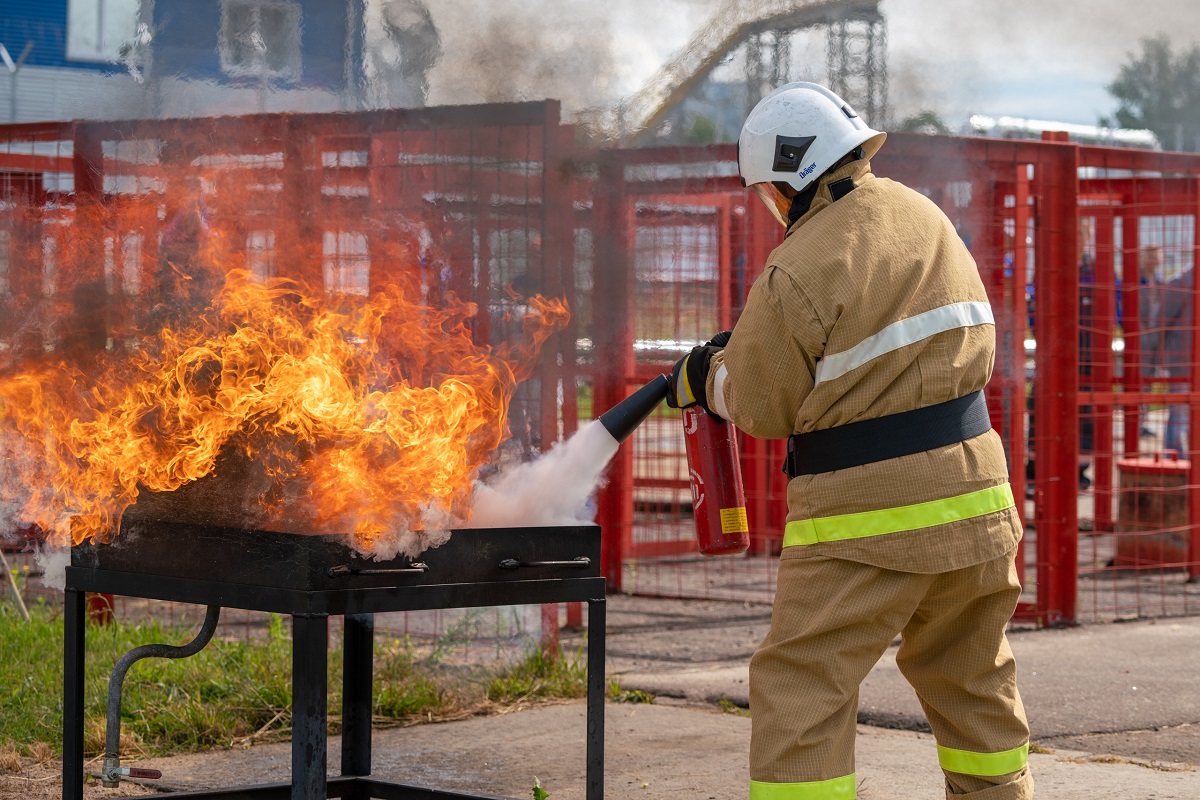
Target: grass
(540,676)
(233,692)
(619,694)
(730,707)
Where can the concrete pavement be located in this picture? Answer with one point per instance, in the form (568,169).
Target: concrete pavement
(1113,708)
(1127,689)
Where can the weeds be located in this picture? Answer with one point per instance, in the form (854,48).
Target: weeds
(619,695)
(540,676)
(730,707)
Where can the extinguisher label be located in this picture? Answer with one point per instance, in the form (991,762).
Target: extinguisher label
(733,520)
(691,420)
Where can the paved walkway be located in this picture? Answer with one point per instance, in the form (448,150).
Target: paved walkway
(1114,711)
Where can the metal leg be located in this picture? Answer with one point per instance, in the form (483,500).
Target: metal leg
(357,677)
(595,700)
(73,640)
(310,657)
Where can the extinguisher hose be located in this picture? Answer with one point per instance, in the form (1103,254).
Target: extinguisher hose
(621,419)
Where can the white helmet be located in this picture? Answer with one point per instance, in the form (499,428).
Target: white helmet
(793,136)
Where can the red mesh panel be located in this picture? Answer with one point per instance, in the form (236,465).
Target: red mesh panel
(654,250)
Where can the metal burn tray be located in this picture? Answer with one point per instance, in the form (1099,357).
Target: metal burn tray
(311,578)
(292,573)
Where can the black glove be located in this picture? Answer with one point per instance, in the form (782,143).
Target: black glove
(688,381)
(720,340)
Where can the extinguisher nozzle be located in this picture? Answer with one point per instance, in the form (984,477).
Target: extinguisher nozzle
(621,419)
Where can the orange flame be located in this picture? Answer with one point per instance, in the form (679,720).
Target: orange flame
(274,406)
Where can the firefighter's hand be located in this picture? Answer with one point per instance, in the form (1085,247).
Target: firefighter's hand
(720,340)
(688,381)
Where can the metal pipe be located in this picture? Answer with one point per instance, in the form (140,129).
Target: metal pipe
(12,580)
(112,773)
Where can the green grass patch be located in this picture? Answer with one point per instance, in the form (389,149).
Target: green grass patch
(540,676)
(230,690)
(621,695)
(234,692)
(730,707)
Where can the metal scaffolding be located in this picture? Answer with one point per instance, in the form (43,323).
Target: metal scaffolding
(856,63)
(762,34)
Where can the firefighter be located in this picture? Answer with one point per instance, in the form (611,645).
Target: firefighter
(866,343)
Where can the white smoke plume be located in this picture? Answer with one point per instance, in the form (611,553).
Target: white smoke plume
(54,565)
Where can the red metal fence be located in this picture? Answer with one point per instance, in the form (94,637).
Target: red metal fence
(1058,232)
(654,251)
(100,224)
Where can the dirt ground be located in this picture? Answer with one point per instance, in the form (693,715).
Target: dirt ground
(42,780)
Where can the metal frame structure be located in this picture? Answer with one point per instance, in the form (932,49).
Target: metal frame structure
(856,58)
(311,579)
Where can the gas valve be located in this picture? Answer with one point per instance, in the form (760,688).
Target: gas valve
(113,772)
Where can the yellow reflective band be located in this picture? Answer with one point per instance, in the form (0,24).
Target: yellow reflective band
(685,394)
(988,765)
(733,520)
(842,788)
(900,518)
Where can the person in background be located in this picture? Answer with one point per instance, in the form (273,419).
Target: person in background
(866,342)
(1150,288)
(525,409)
(1174,326)
(1087,353)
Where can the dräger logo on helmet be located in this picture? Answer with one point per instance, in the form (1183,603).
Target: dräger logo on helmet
(804,173)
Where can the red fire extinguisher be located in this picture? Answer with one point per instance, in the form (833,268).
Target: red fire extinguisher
(714,469)
(718,501)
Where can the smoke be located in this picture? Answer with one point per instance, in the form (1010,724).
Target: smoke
(502,53)
(54,563)
(402,46)
(554,489)
(434,531)
(1019,57)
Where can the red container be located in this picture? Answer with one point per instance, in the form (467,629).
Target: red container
(718,502)
(1153,527)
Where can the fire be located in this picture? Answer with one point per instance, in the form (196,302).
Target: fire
(271,405)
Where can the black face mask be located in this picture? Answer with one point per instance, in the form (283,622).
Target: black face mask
(802,202)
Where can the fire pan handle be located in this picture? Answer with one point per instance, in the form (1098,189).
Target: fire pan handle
(579,562)
(415,568)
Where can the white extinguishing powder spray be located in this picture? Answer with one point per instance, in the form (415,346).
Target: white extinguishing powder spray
(555,488)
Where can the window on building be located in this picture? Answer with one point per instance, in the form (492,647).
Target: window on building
(260,254)
(260,39)
(97,29)
(347,263)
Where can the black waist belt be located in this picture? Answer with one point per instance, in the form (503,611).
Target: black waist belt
(895,435)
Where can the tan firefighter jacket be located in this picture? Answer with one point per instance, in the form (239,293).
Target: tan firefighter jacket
(871,306)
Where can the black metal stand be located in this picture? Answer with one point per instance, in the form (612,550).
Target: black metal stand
(310,612)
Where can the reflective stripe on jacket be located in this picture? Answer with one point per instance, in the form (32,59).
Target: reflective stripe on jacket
(872,305)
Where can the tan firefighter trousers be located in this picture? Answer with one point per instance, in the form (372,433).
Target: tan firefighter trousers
(831,623)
